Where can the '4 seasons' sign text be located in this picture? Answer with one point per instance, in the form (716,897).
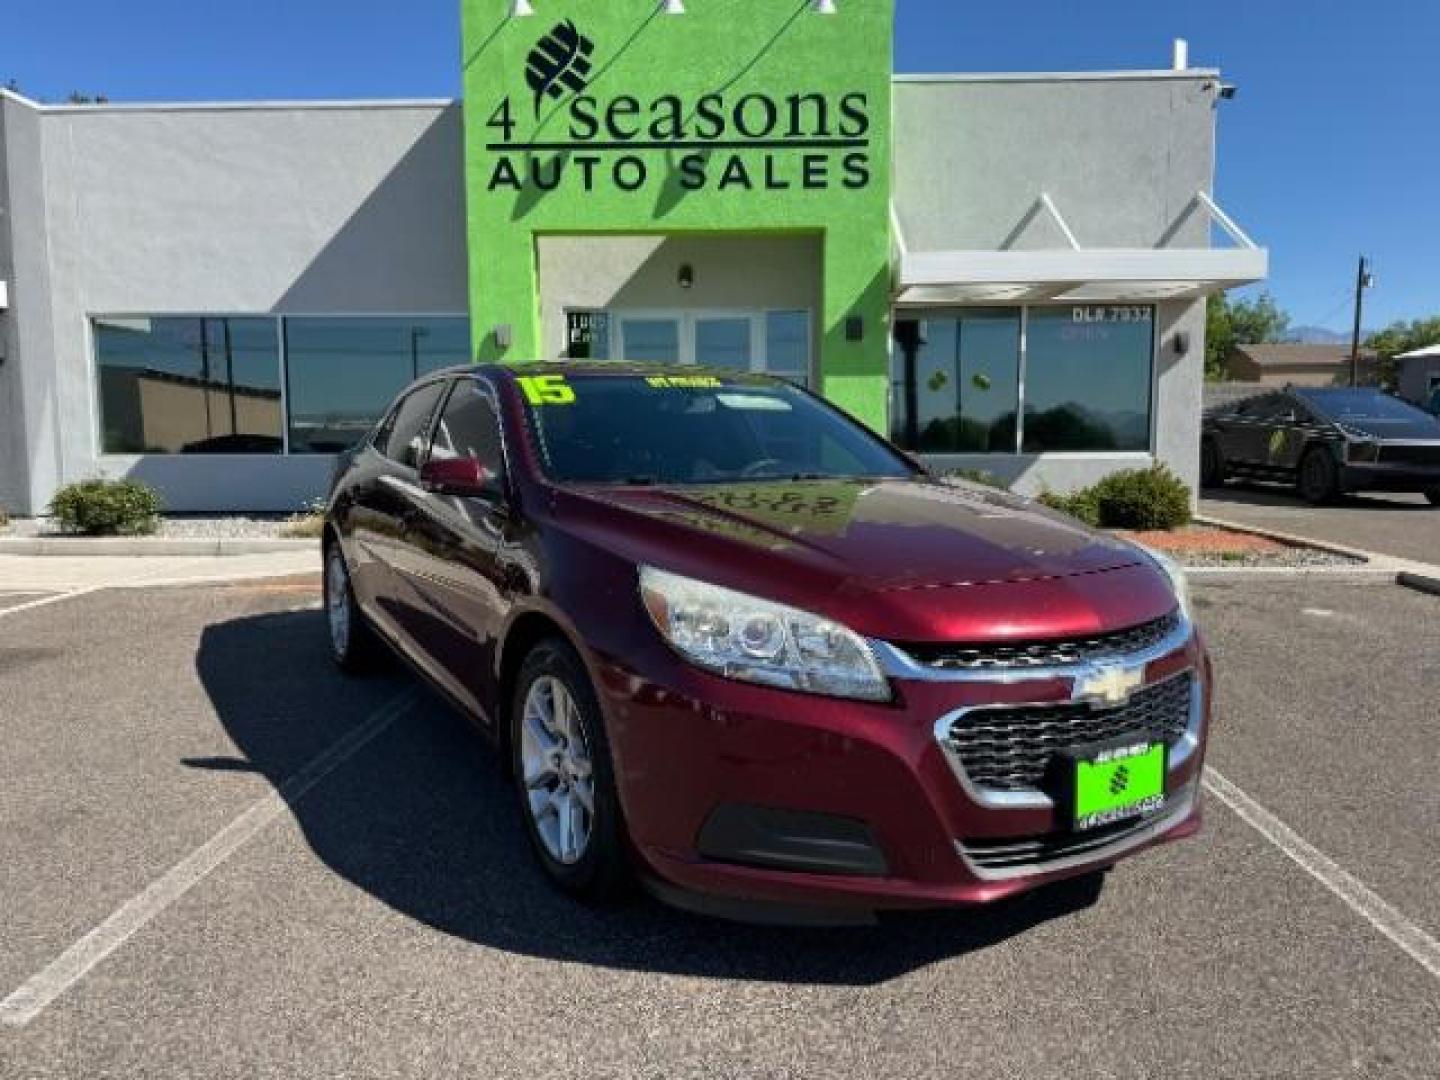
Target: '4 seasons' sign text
(750,142)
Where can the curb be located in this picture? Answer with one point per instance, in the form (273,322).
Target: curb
(1292,539)
(1420,582)
(131,546)
(1422,577)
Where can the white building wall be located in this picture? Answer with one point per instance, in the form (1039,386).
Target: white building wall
(348,209)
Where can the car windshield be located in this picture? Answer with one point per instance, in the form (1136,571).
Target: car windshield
(1363,406)
(695,429)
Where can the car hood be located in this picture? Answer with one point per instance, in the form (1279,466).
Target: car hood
(907,560)
(1417,430)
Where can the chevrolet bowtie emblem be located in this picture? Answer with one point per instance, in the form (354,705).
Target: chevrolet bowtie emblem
(1107,685)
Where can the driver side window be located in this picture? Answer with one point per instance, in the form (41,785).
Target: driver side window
(469,428)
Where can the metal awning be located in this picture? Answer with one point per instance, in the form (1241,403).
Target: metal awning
(1079,274)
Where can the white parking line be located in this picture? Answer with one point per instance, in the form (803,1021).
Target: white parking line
(32,604)
(1415,942)
(74,963)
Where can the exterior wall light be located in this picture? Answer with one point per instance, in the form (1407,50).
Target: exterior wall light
(825,7)
(672,7)
(521,9)
(686,277)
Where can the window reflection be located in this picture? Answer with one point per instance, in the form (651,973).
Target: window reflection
(960,389)
(345,372)
(1088,369)
(1087,379)
(189,385)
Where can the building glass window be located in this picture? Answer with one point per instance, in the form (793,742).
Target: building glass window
(787,345)
(188,386)
(1087,379)
(1087,376)
(959,390)
(344,372)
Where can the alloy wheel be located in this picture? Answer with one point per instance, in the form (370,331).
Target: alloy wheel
(558,774)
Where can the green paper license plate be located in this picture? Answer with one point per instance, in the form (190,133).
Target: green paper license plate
(1119,783)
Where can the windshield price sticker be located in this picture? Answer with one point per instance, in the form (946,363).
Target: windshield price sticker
(684,382)
(547,390)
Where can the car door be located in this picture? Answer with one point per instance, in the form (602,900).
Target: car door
(1279,435)
(1248,441)
(388,503)
(1230,427)
(457,545)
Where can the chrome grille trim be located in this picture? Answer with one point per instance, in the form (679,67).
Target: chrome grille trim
(1180,752)
(898,664)
(1061,652)
(1009,749)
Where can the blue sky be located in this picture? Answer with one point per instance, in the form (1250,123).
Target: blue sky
(1329,149)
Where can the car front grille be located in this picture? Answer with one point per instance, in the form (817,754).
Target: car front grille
(1010,749)
(1045,653)
(1410,455)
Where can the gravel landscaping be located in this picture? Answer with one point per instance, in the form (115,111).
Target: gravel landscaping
(186,527)
(1209,546)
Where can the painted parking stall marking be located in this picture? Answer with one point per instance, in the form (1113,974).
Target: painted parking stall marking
(31,999)
(1411,939)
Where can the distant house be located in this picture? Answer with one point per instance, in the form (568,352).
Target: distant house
(1300,365)
(1419,373)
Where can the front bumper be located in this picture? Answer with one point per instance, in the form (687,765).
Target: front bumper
(1384,476)
(689,745)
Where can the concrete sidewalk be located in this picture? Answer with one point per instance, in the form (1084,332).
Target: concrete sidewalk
(67,573)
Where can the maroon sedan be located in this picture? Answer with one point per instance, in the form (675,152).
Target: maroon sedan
(735,644)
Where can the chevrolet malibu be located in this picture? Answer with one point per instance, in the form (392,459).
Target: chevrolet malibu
(735,645)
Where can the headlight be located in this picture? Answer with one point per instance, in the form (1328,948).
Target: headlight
(742,637)
(1363,452)
(1179,583)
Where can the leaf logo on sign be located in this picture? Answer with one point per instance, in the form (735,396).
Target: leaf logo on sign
(561,61)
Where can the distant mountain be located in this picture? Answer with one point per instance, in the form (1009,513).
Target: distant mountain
(1319,335)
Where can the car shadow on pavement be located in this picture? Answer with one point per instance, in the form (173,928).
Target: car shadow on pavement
(424,820)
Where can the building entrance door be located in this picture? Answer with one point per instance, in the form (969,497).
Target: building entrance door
(775,342)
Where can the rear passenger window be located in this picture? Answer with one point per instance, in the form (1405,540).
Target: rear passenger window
(406,441)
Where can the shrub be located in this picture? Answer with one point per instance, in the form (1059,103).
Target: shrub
(1080,505)
(107,508)
(4,518)
(1153,498)
(308,524)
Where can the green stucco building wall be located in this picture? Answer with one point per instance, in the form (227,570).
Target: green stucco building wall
(610,117)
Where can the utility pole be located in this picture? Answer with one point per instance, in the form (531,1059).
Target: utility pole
(1363,281)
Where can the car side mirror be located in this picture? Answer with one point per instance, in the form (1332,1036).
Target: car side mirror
(462,476)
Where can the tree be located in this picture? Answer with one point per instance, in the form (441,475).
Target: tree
(1229,323)
(1401,337)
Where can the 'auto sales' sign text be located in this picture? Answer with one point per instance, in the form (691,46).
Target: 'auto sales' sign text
(717,141)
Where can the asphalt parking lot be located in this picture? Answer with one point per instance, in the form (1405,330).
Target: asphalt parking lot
(1402,525)
(384,918)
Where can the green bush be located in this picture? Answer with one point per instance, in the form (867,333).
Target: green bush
(1080,505)
(1153,498)
(1143,499)
(4,518)
(107,508)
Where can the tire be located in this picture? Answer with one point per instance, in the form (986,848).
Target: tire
(353,645)
(560,761)
(1212,464)
(1318,479)
(1433,494)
